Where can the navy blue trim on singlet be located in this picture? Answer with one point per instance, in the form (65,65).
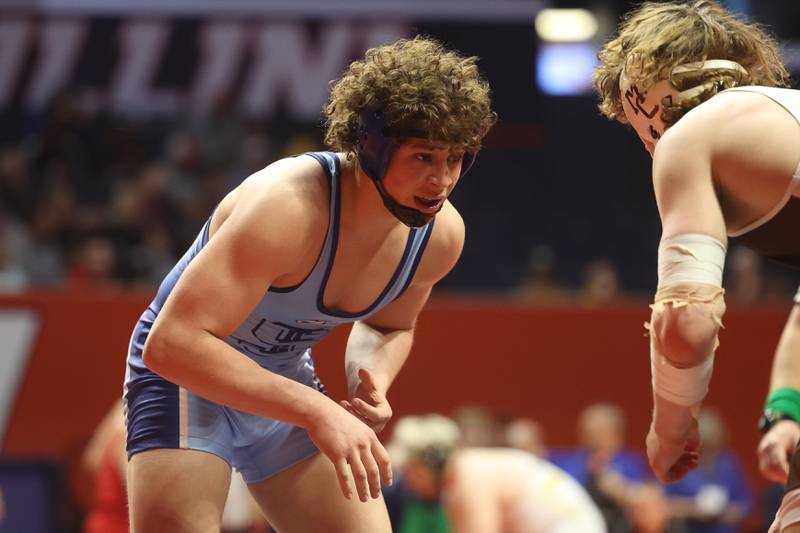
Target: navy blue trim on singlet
(324,163)
(386,289)
(153,413)
(207,229)
(417,259)
(153,404)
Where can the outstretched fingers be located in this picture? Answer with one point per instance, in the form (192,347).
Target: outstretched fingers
(370,463)
(373,472)
(359,458)
(383,460)
(343,474)
(360,477)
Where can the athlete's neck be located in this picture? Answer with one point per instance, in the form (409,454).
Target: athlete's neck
(362,203)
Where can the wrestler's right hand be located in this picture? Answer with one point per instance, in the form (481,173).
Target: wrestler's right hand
(775,449)
(353,448)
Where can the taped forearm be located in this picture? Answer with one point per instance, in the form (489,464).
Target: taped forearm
(687,313)
(681,386)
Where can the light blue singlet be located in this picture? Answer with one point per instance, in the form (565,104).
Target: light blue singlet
(278,335)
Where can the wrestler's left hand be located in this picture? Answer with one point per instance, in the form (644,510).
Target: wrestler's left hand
(368,403)
(775,448)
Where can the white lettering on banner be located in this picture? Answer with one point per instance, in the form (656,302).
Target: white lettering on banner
(222,46)
(286,66)
(14,35)
(59,44)
(280,64)
(143,43)
(18,330)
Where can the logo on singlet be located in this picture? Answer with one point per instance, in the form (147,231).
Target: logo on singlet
(277,338)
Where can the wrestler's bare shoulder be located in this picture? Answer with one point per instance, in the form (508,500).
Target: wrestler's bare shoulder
(740,134)
(732,120)
(291,191)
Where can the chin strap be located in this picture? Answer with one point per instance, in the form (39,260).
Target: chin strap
(409,216)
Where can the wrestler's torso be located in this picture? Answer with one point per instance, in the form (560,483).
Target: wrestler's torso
(349,274)
(772,227)
(749,139)
(365,259)
(529,493)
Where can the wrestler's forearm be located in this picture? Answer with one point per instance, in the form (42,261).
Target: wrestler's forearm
(382,352)
(204,364)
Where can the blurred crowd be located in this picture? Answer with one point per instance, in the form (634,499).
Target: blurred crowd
(749,280)
(716,497)
(94,200)
(476,470)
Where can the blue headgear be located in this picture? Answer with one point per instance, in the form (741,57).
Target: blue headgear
(374,148)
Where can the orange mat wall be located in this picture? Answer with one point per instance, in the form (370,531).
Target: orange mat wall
(546,363)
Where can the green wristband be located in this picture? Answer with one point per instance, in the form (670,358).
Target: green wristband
(784,400)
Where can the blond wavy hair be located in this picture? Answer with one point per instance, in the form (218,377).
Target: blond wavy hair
(655,37)
(421,85)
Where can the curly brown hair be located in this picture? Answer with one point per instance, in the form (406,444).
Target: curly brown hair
(655,37)
(421,86)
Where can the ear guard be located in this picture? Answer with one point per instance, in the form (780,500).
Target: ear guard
(375,144)
(374,149)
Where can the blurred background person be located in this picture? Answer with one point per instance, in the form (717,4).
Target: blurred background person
(477,426)
(539,284)
(93,264)
(527,435)
(746,283)
(752,280)
(419,451)
(601,285)
(617,478)
(486,490)
(106,462)
(716,496)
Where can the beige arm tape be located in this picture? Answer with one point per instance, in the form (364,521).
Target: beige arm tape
(682,386)
(690,272)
